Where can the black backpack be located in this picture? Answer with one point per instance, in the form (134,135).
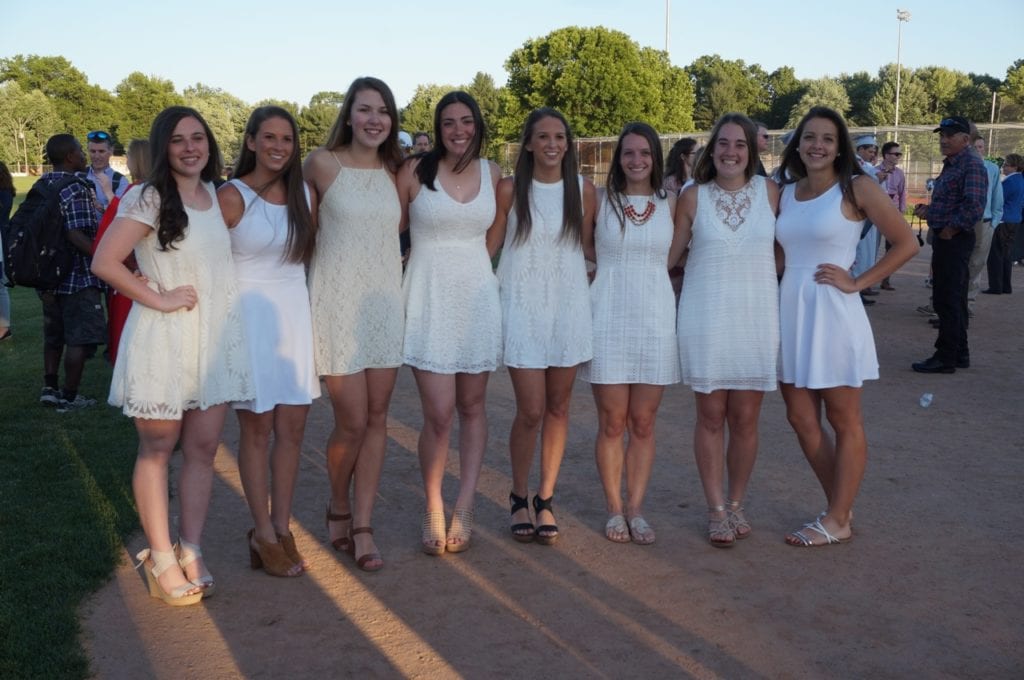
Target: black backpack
(37,253)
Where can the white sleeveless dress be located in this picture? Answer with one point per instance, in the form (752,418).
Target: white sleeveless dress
(826,336)
(632,301)
(275,307)
(355,278)
(545,294)
(728,323)
(452,309)
(168,363)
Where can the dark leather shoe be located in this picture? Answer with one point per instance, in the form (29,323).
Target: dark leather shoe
(934,323)
(932,365)
(867,302)
(989,291)
(869,291)
(963,362)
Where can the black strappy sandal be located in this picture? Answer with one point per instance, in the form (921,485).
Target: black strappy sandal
(523,532)
(545,534)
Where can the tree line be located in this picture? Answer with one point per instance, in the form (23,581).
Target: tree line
(598,77)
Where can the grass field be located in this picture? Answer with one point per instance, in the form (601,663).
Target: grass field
(65,504)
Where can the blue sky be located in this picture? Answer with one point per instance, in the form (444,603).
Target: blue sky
(260,49)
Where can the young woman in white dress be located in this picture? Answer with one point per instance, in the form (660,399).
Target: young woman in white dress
(545,213)
(355,284)
(634,317)
(728,322)
(827,345)
(182,356)
(266,207)
(453,314)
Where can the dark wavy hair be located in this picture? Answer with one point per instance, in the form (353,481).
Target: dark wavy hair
(341,132)
(615,184)
(301,234)
(6,181)
(846,168)
(675,164)
(572,200)
(704,171)
(426,171)
(172,218)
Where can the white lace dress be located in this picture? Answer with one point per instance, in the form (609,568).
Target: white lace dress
(275,307)
(168,363)
(633,304)
(545,294)
(452,310)
(355,278)
(728,323)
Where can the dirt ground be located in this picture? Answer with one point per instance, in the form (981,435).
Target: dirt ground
(927,588)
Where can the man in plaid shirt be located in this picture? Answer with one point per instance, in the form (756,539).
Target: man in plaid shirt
(958,203)
(73,320)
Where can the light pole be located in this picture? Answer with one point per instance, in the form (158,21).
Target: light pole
(902,16)
(24,144)
(668,12)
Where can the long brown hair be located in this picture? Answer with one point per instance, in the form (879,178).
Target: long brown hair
(301,233)
(616,182)
(6,181)
(846,168)
(572,201)
(341,132)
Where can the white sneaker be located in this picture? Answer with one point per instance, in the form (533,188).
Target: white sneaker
(77,404)
(49,397)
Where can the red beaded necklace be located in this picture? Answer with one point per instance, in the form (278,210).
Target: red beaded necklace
(641,218)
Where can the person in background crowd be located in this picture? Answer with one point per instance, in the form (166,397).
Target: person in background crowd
(7,194)
(679,165)
(894,182)
(119,305)
(108,184)
(867,247)
(73,321)
(958,204)
(1000,257)
(983,230)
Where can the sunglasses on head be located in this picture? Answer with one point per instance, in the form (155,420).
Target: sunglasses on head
(98,135)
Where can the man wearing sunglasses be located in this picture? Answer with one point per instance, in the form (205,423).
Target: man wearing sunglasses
(107,182)
(894,182)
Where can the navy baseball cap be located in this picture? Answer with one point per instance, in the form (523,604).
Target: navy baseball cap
(954,124)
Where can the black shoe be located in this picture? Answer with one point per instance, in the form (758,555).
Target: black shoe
(989,291)
(932,365)
(546,534)
(934,323)
(867,302)
(869,291)
(523,532)
(963,362)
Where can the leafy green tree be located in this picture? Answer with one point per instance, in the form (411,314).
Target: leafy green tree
(139,99)
(329,97)
(860,88)
(724,85)
(784,91)
(942,85)
(913,99)
(225,113)
(418,114)
(820,92)
(290,107)
(80,106)
(1012,91)
(27,120)
(315,121)
(598,78)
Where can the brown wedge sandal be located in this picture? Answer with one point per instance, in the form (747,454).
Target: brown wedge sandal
(271,557)
(363,560)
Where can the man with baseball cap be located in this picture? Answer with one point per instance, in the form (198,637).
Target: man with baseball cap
(958,203)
